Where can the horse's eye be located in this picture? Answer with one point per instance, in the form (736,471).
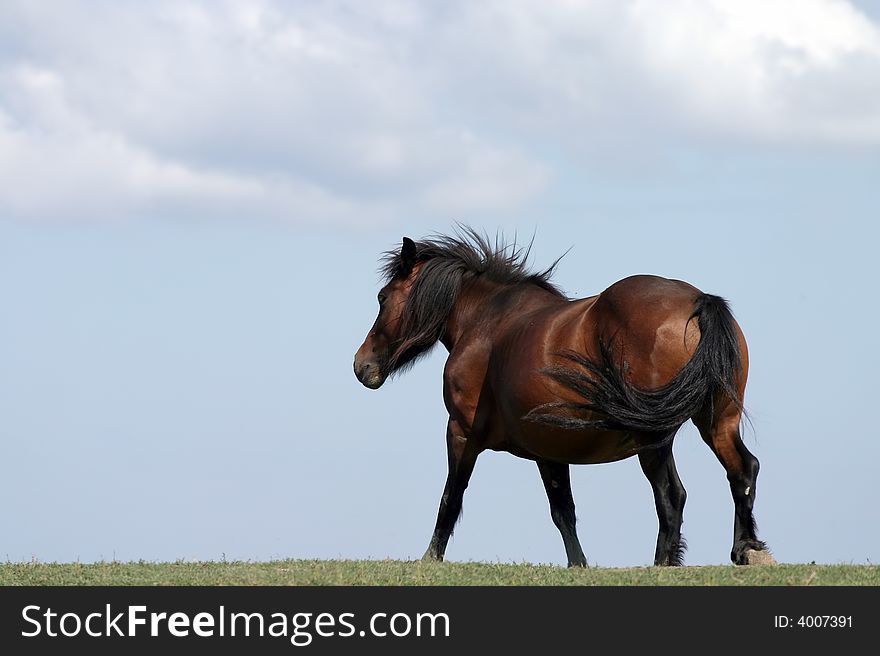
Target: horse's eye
(382,298)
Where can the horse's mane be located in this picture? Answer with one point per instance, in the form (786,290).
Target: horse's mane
(448,262)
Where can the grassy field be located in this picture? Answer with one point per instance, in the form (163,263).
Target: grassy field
(391,572)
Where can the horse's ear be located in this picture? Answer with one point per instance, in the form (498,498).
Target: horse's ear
(408,254)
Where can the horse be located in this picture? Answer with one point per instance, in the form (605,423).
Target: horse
(565,381)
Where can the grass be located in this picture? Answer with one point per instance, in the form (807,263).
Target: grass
(392,572)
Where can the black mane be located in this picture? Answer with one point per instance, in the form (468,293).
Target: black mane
(449,261)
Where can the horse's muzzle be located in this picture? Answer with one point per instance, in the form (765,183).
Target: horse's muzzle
(369,373)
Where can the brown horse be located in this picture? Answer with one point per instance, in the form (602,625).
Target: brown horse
(563,381)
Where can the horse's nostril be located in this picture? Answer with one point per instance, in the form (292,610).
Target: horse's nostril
(361,371)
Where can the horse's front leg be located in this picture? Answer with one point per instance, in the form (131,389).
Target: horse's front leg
(461,455)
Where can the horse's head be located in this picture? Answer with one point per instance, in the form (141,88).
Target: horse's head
(379,355)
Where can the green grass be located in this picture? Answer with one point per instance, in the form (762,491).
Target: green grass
(391,572)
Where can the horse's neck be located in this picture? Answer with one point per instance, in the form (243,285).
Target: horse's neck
(482,303)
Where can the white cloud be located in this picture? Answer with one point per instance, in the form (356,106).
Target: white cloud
(362,112)
(241,110)
(770,69)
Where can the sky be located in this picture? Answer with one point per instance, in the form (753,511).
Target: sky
(194,197)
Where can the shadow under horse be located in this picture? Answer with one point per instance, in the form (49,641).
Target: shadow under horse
(567,381)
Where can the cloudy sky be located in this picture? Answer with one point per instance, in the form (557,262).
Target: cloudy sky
(193,197)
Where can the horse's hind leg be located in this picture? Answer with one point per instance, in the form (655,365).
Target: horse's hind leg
(557,483)
(722,434)
(669,498)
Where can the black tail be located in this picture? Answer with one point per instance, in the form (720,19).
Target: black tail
(711,374)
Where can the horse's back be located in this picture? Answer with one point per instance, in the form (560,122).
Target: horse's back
(647,316)
(645,319)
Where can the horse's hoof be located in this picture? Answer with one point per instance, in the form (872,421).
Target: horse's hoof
(754,557)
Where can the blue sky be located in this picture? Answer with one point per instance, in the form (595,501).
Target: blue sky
(193,198)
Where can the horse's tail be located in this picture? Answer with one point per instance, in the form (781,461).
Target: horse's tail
(611,402)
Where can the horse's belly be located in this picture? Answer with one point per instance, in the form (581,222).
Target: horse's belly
(545,441)
(577,447)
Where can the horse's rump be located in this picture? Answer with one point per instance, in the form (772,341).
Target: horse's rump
(609,400)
